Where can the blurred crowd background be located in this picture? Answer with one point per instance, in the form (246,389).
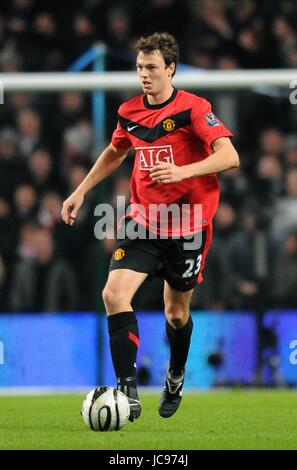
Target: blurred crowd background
(50,35)
(47,146)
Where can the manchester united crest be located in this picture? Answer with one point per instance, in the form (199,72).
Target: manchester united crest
(168,125)
(119,254)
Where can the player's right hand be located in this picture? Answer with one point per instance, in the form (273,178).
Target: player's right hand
(70,208)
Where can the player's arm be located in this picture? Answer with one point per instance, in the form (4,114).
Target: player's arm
(224,158)
(108,161)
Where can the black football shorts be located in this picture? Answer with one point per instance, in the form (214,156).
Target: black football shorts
(166,258)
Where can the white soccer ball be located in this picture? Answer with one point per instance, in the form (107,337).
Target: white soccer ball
(105,409)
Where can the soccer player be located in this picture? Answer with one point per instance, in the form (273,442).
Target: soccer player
(179,145)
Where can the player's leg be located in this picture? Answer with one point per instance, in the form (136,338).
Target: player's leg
(183,268)
(120,288)
(118,292)
(179,327)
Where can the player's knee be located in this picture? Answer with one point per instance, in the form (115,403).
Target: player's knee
(175,315)
(113,297)
(109,296)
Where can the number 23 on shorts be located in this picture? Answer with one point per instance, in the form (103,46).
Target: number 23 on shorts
(193,266)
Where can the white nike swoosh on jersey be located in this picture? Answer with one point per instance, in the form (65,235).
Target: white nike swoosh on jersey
(131,128)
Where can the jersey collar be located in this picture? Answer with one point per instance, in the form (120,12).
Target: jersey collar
(161,105)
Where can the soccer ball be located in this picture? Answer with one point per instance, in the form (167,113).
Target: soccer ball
(105,409)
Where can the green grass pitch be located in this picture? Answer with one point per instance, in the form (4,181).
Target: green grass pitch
(211,420)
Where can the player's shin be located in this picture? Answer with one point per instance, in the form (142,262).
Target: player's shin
(179,342)
(124,342)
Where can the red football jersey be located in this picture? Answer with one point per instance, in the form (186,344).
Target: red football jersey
(179,131)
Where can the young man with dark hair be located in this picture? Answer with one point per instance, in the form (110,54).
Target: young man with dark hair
(179,145)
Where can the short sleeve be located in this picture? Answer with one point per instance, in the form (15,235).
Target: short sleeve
(120,138)
(206,125)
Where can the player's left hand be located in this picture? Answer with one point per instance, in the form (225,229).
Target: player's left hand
(165,173)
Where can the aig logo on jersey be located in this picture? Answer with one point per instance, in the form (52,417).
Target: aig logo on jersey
(168,125)
(150,156)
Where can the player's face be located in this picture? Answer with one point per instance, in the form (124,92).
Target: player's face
(153,73)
